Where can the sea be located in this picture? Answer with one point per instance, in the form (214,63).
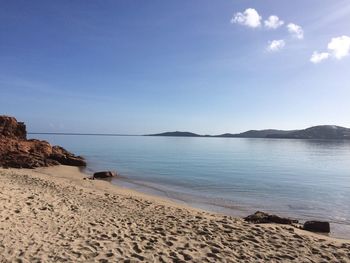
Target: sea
(301,179)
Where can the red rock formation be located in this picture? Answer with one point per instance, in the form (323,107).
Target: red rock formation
(18,152)
(9,127)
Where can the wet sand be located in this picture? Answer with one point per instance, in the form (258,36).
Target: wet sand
(54,215)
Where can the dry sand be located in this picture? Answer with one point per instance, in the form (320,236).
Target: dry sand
(53,215)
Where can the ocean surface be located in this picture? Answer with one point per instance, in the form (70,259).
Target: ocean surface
(303,179)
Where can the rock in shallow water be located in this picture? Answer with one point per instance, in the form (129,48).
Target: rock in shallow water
(317,226)
(104,174)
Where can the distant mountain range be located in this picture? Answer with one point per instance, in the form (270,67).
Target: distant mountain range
(327,132)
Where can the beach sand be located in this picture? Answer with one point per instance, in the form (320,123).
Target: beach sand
(54,215)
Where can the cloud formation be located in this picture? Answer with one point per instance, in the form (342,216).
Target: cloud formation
(276,45)
(319,57)
(250,18)
(273,22)
(295,30)
(339,47)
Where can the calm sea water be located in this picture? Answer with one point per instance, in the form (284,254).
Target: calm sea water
(304,179)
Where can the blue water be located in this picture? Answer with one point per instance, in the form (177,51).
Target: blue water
(304,179)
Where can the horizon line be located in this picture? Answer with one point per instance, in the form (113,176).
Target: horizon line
(78,133)
(155,134)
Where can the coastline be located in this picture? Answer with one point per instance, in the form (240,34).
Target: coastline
(234,177)
(236,209)
(53,214)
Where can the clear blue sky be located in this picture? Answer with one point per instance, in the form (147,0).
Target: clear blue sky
(151,66)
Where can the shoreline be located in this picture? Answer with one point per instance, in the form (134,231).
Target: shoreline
(146,191)
(53,214)
(236,210)
(237,198)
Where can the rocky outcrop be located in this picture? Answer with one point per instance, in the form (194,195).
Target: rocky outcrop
(104,175)
(263,218)
(10,128)
(317,226)
(18,152)
(62,156)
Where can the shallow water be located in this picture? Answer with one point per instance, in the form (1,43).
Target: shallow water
(304,179)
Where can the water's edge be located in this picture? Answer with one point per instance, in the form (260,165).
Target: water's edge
(234,210)
(301,179)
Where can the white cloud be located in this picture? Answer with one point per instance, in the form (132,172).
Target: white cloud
(319,57)
(296,30)
(340,46)
(273,22)
(276,45)
(250,17)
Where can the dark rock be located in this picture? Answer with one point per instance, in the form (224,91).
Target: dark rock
(261,217)
(18,152)
(62,156)
(317,226)
(104,174)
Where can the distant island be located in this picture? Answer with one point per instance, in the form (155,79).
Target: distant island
(176,134)
(325,132)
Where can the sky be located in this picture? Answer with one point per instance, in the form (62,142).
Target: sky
(210,67)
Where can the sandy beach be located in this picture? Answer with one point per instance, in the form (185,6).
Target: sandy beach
(54,215)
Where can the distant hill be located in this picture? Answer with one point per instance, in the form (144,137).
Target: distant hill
(317,132)
(176,134)
(256,134)
(327,132)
